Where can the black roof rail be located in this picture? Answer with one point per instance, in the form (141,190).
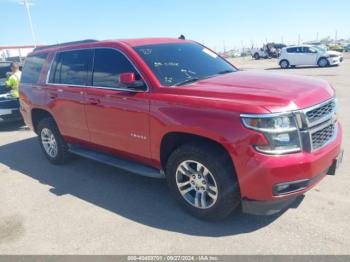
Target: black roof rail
(67,43)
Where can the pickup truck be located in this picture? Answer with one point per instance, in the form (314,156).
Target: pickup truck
(172,108)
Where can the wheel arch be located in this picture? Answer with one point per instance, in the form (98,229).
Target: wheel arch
(172,140)
(37,115)
(322,57)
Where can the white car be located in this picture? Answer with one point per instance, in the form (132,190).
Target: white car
(258,53)
(308,55)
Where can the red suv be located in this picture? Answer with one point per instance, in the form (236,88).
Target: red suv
(174,109)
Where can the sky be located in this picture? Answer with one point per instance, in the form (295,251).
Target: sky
(218,24)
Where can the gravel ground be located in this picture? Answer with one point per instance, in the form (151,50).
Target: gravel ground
(89,208)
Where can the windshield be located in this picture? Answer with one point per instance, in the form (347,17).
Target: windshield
(182,63)
(319,48)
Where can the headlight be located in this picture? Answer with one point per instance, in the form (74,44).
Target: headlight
(333,56)
(280,131)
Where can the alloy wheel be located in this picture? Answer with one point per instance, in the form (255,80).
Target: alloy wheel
(49,142)
(196,184)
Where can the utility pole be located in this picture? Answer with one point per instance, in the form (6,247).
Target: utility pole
(336,36)
(27,6)
(299,39)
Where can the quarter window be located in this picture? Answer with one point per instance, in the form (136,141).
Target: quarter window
(32,68)
(108,65)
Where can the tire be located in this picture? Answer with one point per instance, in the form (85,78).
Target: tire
(221,190)
(256,56)
(49,137)
(284,64)
(323,62)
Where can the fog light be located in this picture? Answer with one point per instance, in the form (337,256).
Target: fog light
(282,187)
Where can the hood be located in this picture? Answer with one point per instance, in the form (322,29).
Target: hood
(331,52)
(254,90)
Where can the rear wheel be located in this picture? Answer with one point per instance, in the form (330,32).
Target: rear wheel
(203,181)
(284,64)
(51,142)
(256,56)
(323,62)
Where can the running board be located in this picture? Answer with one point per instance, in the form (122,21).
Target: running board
(120,163)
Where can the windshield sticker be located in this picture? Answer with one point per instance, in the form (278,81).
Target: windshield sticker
(146,51)
(208,52)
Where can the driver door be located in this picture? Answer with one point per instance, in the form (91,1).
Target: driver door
(310,56)
(117,118)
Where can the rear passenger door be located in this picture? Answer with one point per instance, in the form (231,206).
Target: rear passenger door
(69,74)
(117,118)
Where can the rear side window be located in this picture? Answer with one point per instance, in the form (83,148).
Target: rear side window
(71,67)
(292,50)
(108,65)
(32,68)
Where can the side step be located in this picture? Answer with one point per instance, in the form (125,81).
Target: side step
(120,163)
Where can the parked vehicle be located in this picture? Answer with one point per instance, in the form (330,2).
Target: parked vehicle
(336,47)
(258,53)
(347,48)
(308,55)
(270,50)
(9,106)
(174,109)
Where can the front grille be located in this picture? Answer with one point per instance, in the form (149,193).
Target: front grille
(322,137)
(321,112)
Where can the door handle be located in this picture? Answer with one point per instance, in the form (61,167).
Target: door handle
(94,101)
(53,95)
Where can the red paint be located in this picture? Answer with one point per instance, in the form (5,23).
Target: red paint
(108,119)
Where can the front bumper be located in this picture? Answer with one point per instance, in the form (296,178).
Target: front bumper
(335,60)
(259,173)
(274,206)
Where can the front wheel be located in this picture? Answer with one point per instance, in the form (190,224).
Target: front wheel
(256,56)
(323,62)
(203,181)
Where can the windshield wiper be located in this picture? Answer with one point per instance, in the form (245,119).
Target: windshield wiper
(187,81)
(225,72)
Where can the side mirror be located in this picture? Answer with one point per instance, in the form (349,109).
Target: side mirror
(129,80)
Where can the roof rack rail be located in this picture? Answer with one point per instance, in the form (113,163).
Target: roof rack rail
(67,43)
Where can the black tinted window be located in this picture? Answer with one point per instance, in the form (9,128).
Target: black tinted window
(108,65)
(72,67)
(4,68)
(292,50)
(32,68)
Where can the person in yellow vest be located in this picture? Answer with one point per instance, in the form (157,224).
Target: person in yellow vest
(13,81)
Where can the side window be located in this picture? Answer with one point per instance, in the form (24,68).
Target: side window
(32,68)
(108,65)
(291,50)
(71,67)
(306,49)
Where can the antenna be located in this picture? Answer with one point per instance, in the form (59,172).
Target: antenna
(27,6)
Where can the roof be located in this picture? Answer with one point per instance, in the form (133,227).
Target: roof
(130,42)
(150,41)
